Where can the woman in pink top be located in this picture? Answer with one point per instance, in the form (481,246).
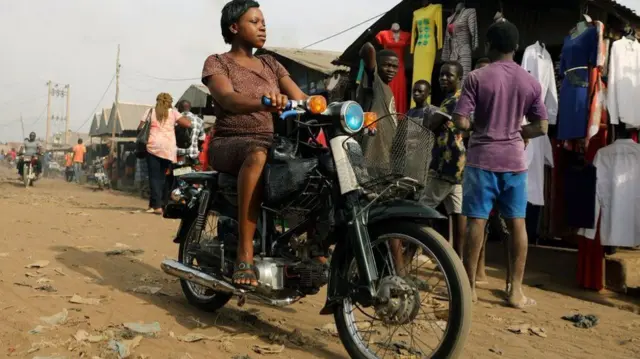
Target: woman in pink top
(161,146)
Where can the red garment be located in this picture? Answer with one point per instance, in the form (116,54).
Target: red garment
(399,83)
(204,154)
(590,251)
(450,28)
(591,262)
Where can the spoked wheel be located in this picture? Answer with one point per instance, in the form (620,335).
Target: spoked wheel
(423,309)
(26,175)
(202,297)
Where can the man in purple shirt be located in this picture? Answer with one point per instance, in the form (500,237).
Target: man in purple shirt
(499,95)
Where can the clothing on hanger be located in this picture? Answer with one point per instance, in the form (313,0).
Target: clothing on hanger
(537,60)
(618,193)
(426,40)
(397,44)
(461,39)
(581,52)
(624,82)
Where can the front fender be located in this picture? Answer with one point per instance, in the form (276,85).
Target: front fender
(401,208)
(395,209)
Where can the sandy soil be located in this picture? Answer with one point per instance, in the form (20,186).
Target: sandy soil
(71,228)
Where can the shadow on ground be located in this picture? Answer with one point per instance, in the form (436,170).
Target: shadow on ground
(124,273)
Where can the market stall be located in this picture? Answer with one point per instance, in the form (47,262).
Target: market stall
(587,58)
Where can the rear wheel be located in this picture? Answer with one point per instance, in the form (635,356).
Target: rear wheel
(417,317)
(201,297)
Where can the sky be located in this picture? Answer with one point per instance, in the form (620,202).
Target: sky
(75,42)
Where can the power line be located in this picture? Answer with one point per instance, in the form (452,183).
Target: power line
(97,105)
(40,116)
(343,31)
(136,89)
(167,79)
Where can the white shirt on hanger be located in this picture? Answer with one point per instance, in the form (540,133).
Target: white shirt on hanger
(537,60)
(624,82)
(539,153)
(618,193)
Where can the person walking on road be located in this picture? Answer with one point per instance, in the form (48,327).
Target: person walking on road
(197,132)
(499,95)
(79,152)
(161,146)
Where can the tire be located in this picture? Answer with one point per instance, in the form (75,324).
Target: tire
(217,300)
(26,174)
(460,314)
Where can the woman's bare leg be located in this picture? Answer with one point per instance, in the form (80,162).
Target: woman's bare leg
(249,199)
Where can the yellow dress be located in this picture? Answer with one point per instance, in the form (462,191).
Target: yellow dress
(425,31)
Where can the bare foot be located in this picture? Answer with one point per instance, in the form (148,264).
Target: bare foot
(519,301)
(474,296)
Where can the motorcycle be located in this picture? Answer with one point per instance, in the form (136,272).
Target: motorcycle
(99,174)
(29,175)
(349,200)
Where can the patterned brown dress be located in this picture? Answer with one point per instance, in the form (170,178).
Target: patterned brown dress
(236,136)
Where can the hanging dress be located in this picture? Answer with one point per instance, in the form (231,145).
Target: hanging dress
(399,83)
(461,39)
(580,54)
(425,31)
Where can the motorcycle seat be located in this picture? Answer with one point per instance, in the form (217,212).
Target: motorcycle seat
(199,177)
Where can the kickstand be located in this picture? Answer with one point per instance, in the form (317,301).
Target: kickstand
(242,300)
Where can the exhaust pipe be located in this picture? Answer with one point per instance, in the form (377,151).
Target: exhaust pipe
(181,271)
(177,269)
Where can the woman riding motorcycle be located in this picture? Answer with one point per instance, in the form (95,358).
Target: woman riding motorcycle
(244,127)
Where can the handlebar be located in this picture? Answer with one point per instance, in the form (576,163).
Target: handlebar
(289,110)
(290,104)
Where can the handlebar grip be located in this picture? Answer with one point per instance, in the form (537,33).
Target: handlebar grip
(267,102)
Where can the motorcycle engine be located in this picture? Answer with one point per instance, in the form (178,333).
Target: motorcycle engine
(278,274)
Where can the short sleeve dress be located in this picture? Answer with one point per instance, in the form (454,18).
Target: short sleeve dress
(237,135)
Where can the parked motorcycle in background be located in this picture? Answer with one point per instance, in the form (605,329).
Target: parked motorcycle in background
(395,288)
(99,174)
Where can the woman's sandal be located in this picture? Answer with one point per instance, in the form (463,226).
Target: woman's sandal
(245,271)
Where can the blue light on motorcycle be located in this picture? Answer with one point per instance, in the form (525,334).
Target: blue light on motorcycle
(352,117)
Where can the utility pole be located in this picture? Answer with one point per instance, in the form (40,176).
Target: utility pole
(48,133)
(116,116)
(22,122)
(66,126)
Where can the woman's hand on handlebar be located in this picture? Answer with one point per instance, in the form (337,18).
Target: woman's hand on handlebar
(279,101)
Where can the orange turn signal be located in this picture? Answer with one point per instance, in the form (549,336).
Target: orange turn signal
(316,104)
(370,120)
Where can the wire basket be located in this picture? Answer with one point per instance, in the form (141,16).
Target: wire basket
(401,148)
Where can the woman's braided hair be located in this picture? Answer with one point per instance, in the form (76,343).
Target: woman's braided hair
(163,105)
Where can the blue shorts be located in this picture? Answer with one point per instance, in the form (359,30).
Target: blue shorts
(482,189)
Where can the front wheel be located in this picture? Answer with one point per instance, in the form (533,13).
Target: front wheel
(201,297)
(423,307)
(26,175)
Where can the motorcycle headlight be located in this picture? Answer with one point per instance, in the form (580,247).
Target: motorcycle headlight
(351,117)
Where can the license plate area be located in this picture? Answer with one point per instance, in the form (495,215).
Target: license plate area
(182,171)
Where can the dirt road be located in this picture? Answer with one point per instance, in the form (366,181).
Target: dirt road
(68,231)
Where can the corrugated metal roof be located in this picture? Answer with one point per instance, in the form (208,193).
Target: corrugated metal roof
(103,130)
(128,116)
(319,60)
(196,94)
(95,124)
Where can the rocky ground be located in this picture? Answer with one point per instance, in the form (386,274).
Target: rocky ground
(80,277)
